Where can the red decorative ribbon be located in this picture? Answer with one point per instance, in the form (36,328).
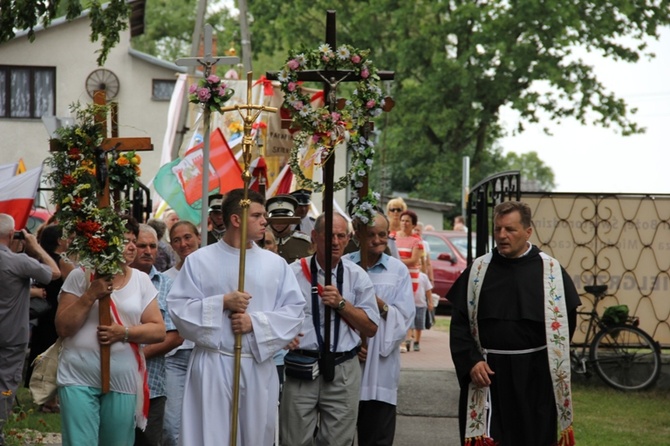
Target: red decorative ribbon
(268,89)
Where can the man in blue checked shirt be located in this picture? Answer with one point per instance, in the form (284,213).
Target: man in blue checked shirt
(147,248)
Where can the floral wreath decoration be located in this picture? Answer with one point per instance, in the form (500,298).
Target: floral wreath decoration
(323,129)
(98,241)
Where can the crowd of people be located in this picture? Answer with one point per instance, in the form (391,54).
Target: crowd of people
(319,350)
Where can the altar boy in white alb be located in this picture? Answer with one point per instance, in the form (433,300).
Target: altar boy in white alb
(207,308)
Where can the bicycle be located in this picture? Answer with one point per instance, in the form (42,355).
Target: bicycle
(622,354)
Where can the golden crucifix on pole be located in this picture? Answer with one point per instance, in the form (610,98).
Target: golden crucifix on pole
(251,115)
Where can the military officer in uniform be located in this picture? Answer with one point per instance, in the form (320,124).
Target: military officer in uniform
(216,218)
(303,196)
(291,244)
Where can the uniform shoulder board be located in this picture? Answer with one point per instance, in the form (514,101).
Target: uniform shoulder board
(302,236)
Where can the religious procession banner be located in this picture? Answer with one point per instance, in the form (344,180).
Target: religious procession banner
(179,182)
(17,195)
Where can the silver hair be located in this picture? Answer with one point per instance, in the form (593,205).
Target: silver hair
(6,225)
(146,228)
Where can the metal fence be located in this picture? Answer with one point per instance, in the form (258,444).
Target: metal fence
(618,240)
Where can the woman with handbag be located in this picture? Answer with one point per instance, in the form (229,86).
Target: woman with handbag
(89,416)
(44,334)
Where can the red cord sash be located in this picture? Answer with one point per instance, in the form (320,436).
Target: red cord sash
(142,369)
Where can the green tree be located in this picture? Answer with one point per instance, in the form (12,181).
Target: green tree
(107,22)
(534,173)
(458,62)
(169,24)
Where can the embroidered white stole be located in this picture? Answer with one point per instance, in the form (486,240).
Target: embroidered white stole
(558,350)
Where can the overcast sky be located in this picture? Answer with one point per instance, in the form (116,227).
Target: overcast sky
(593,159)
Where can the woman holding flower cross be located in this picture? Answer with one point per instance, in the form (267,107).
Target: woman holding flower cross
(88,415)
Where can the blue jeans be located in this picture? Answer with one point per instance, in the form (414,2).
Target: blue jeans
(175,377)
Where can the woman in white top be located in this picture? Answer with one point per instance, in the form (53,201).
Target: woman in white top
(87,415)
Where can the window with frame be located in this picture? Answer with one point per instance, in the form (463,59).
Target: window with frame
(161,89)
(27,92)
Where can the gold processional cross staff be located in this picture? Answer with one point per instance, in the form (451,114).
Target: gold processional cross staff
(252,113)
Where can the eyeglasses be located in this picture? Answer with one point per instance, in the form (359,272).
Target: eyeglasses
(395,210)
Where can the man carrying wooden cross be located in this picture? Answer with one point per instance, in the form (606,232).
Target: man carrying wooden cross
(334,393)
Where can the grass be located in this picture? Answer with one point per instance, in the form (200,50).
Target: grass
(605,416)
(442,323)
(27,422)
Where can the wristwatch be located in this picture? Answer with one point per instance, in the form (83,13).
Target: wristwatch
(341,305)
(385,310)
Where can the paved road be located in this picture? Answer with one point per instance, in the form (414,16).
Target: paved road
(428,395)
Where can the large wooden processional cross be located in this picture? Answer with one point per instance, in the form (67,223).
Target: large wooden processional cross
(109,144)
(331,79)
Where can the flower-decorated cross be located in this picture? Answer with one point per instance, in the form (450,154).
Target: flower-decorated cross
(211,93)
(92,229)
(331,78)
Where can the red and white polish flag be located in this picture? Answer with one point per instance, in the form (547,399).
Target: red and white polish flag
(17,195)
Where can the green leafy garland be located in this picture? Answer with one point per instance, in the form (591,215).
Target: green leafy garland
(98,232)
(322,129)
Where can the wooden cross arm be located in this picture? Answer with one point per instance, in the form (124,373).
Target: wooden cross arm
(125,144)
(316,76)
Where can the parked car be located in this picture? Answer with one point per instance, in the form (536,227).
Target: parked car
(37,217)
(448,255)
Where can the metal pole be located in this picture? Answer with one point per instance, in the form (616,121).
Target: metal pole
(244,32)
(195,43)
(465,187)
(204,214)
(247,143)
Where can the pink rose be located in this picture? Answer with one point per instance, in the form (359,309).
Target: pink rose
(213,79)
(298,105)
(325,59)
(371,103)
(291,86)
(203,94)
(336,116)
(355,58)
(192,88)
(221,91)
(365,73)
(293,64)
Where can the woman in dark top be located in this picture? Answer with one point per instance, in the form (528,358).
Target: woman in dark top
(44,333)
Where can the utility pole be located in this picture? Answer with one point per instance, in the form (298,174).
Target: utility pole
(244,34)
(195,44)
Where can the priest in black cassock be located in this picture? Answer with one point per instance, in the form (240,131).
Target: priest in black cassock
(514,311)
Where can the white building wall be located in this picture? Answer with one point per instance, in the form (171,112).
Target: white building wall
(67,47)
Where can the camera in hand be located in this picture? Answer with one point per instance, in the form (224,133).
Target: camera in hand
(19,235)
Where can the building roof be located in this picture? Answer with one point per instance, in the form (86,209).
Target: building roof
(136,29)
